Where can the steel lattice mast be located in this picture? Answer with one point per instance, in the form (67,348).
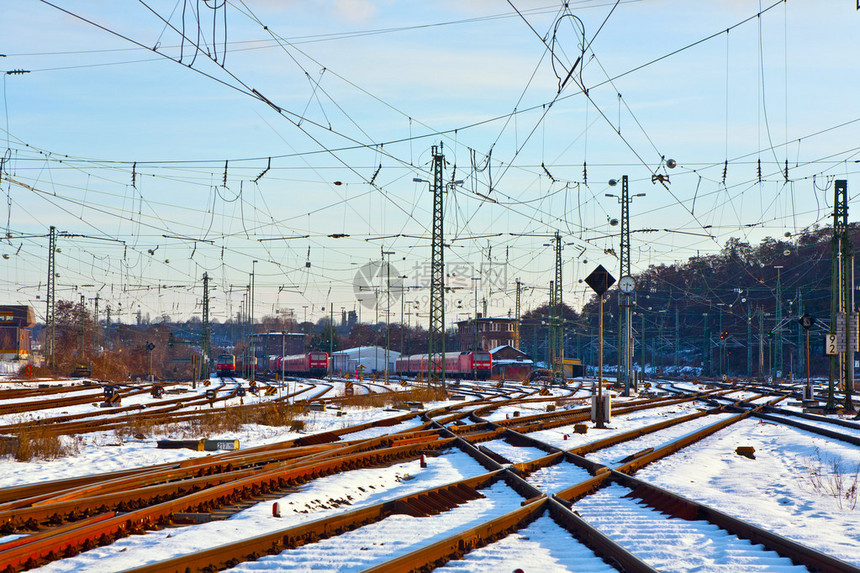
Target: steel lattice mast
(550,327)
(436,350)
(206,342)
(558,311)
(517,325)
(842,299)
(50,316)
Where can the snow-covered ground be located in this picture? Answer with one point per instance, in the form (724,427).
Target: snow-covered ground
(674,544)
(785,489)
(777,490)
(314,500)
(542,546)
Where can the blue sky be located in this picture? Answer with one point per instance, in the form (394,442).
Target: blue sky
(362,84)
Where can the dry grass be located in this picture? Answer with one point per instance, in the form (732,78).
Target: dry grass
(38,372)
(232,419)
(44,445)
(389,399)
(833,477)
(139,428)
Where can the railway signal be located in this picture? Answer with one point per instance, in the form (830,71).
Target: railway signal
(599,280)
(149,348)
(806,321)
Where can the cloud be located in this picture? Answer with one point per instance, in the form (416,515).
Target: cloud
(354,10)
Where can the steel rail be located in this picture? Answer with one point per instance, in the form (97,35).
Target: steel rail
(138,520)
(684,508)
(138,489)
(463,542)
(12,497)
(230,554)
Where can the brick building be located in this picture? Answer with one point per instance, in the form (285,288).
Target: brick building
(15,324)
(489,332)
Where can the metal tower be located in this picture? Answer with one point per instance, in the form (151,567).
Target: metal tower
(517,323)
(558,311)
(50,316)
(96,335)
(625,320)
(436,350)
(206,343)
(550,328)
(82,312)
(842,318)
(777,329)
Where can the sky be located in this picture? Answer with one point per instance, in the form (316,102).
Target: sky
(286,145)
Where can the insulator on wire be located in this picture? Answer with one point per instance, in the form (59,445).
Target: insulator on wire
(725,170)
(759,170)
(786,170)
(584,174)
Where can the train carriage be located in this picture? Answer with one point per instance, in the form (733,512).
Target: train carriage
(477,365)
(312,363)
(225,365)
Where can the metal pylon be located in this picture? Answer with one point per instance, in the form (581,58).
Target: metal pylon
(50,316)
(625,327)
(517,324)
(558,311)
(436,350)
(206,343)
(777,330)
(842,297)
(550,327)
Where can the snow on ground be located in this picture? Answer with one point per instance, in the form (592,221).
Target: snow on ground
(612,456)
(776,489)
(527,409)
(318,499)
(554,478)
(674,544)
(513,453)
(542,546)
(821,423)
(617,425)
(108,451)
(392,537)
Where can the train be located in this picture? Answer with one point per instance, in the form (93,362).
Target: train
(225,365)
(312,363)
(476,365)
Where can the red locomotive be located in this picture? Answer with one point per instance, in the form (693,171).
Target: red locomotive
(476,365)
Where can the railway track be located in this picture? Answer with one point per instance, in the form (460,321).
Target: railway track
(182,408)
(493,486)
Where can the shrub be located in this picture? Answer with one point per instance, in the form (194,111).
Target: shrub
(833,477)
(40,444)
